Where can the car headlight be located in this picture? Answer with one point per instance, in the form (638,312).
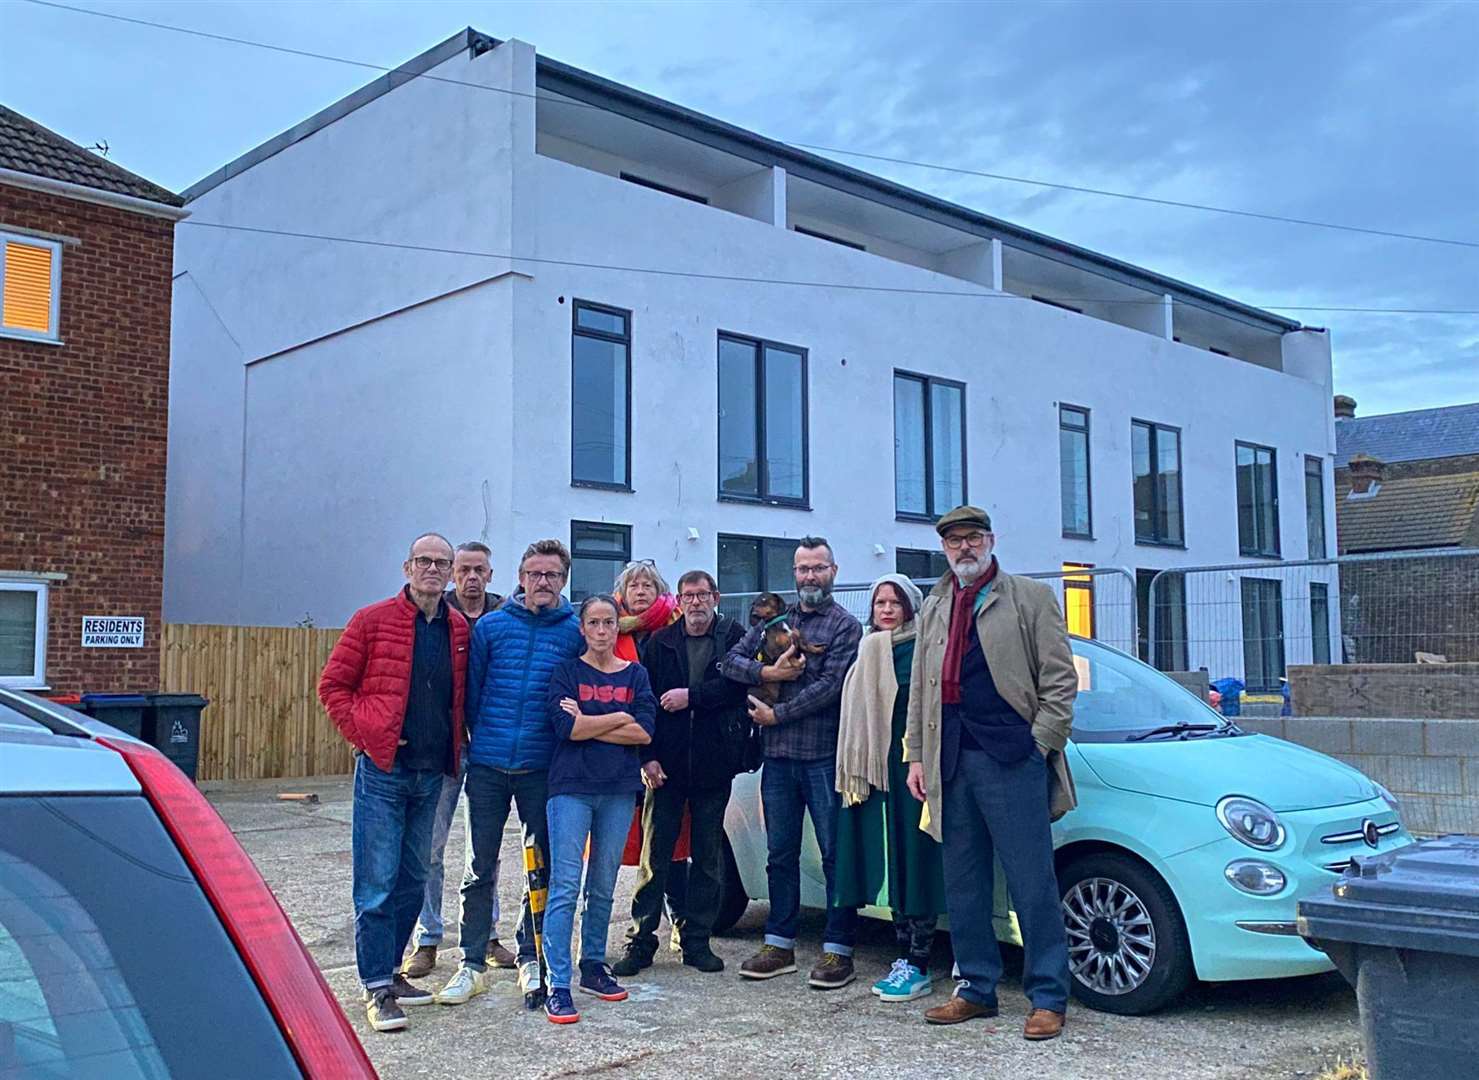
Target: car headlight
(1251,822)
(1254,876)
(1388,798)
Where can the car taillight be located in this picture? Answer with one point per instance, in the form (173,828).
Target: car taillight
(314,1026)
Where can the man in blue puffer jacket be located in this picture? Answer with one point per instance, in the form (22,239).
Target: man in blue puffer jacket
(514,652)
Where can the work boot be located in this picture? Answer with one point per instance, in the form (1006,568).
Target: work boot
(420,963)
(498,956)
(770,961)
(703,958)
(833,972)
(633,959)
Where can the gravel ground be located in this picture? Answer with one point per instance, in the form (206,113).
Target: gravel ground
(681,1021)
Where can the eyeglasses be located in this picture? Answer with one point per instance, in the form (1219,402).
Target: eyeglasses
(960,540)
(544,575)
(649,563)
(426,562)
(694,597)
(813,571)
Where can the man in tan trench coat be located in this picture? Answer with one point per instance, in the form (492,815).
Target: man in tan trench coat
(990,711)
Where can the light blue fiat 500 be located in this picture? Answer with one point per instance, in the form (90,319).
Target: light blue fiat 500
(1192,842)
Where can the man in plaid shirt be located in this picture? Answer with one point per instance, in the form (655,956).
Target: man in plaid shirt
(799,774)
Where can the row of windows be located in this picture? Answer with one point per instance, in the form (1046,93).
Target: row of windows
(1155,457)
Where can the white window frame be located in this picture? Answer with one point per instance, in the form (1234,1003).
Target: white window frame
(37,679)
(55,318)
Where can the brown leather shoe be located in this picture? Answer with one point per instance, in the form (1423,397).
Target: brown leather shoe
(500,957)
(769,962)
(958,1010)
(419,964)
(1043,1024)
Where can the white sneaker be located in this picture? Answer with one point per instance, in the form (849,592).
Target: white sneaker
(529,976)
(462,987)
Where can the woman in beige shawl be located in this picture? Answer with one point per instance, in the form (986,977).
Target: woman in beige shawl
(883,857)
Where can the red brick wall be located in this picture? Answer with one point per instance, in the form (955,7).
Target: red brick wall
(82,436)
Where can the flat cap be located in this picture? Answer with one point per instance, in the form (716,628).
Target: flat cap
(964,515)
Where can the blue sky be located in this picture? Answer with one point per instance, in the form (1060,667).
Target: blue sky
(1366,114)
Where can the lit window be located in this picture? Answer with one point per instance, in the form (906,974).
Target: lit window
(30,281)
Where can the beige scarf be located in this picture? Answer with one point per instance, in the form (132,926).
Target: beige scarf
(866,731)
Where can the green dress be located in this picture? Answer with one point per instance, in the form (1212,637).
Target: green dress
(883,857)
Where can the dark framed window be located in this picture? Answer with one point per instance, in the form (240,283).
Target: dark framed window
(763,454)
(1155,452)
(1314,505)
(642,181)
(920,564)
(804,231)
(601,397)
(1170,620)
(1258,500)
(929,446)
(1073,458)
(751,564)
(598,551)
(1263,634)
(1320,622)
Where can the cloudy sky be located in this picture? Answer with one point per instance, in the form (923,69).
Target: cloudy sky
(1360,114)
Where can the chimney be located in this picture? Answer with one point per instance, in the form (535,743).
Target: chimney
(1345,407)
(1365,472)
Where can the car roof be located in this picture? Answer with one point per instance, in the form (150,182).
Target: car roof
(47,749)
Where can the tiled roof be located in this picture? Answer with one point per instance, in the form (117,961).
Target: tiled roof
(1409,512)
(27,147)
(1409,436)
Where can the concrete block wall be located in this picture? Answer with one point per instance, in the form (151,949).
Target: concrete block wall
(1432,766)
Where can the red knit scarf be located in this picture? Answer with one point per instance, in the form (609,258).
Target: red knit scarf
(962,615)
(663,612)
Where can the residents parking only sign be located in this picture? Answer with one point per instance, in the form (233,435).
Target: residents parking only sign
(112,631)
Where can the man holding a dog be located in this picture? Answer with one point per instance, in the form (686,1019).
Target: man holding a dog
(800,753)
(990,710)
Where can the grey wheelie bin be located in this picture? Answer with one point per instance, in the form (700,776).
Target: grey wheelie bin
(1403,928)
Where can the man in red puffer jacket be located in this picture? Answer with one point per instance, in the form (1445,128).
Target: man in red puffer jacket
(394,688)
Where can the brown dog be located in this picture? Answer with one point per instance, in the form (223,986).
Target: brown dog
(769,609)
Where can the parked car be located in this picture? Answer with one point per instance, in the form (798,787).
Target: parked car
(137,940)
(1191,845)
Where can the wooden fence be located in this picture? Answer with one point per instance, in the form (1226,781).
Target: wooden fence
(264,719)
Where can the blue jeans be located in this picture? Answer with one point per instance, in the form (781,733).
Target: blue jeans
(994,809)
(572,818)
(789,789)
(430,928)
(390,842)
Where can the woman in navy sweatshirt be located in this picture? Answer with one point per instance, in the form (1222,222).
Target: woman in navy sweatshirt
(602,709)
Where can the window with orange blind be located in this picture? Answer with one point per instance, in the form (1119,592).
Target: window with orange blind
(30,276)
(1078,599)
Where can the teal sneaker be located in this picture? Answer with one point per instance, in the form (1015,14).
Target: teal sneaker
(905,984)
(888,980)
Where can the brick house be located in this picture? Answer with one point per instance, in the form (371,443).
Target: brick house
(84,386)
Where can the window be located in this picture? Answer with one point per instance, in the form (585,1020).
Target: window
(641,181)
(929,446)
(1170,619)
(1073,458)
(762,421)
(31,284)
(804,231)
(1263,634)
(597,554)
(22,633)
(1258,501)
(751,564)
(601,397)
(1320,622)
(1314,505)
(1155,452)
(917,564)
(1078,599)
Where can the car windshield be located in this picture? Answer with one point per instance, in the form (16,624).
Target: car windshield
(1120,698)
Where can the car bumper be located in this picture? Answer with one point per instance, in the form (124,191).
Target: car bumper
(1238,936)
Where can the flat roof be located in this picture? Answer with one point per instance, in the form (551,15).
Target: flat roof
(571,82)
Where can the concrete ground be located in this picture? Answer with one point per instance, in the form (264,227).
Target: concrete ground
(679,1021)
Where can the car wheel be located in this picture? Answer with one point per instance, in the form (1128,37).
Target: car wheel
(1128,951)
(732,899)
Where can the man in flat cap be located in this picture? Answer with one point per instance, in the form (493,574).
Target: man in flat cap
(990,711)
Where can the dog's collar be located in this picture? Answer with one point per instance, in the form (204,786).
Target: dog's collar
(778,619)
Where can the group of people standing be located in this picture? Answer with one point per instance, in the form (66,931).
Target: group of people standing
(922,751)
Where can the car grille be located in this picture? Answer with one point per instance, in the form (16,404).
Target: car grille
(1342,841)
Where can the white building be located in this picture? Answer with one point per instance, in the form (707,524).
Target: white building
(421,290)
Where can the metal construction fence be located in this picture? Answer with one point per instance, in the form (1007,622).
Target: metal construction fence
(1271,627)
